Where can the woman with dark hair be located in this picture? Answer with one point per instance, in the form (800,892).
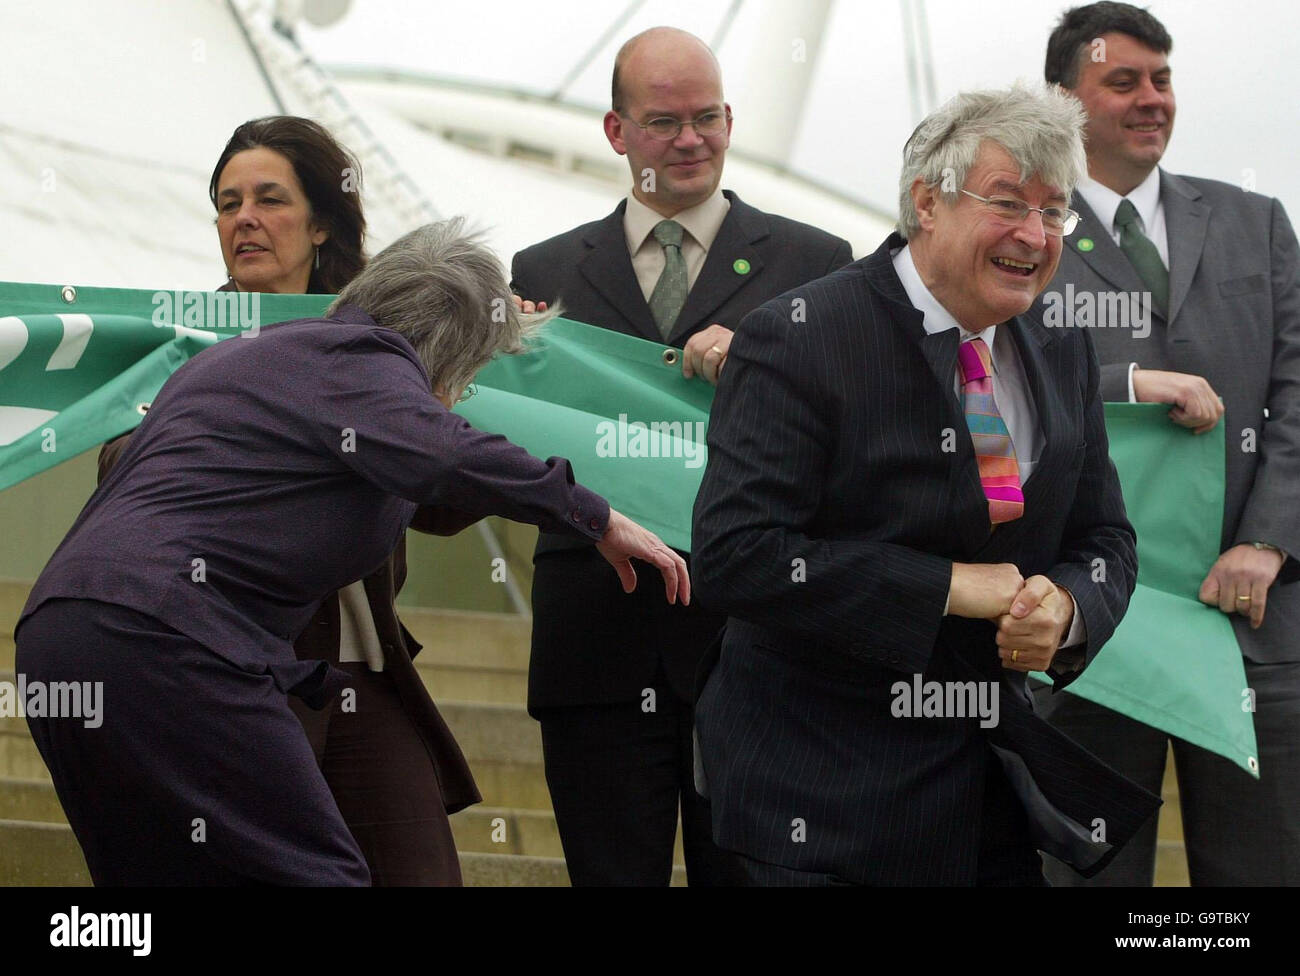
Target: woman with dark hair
(290,221)
(267,475)
(288,201)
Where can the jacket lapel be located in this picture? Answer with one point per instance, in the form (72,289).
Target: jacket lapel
(1031,341)
(1186,222)
(940,353)
(742,228)
(608,269)
(1101,253)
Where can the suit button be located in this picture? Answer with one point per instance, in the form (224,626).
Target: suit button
(595,524)
(577,515)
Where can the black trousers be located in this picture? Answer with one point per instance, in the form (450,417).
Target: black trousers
(199,774)
(618,775)
(1007,857)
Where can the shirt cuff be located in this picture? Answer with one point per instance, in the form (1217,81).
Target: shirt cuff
(1132,394)
(1078,632)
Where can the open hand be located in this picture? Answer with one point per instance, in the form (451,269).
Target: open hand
(624,541)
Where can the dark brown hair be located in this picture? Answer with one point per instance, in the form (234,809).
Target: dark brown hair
(331,179)
(1079,25)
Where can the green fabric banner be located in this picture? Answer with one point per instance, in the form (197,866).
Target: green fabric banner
(77,366)
(1173,662)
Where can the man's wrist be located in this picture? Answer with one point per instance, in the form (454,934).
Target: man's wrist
(1269,547)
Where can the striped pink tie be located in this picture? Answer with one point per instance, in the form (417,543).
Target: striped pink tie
(999,470)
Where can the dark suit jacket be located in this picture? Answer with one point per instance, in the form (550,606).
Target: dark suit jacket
(826,527)
(591,643)
(1234,318)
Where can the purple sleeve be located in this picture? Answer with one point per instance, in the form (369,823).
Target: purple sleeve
(375,412)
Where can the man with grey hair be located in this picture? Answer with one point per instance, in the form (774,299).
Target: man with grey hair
(265,476)
(904,498)
(679,262)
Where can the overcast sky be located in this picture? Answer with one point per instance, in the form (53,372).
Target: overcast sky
(1235,72)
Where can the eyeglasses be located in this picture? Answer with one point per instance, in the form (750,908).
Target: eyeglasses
(1057,221)
(666,128)
(469,392)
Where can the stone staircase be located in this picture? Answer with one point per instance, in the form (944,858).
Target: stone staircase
(475,666)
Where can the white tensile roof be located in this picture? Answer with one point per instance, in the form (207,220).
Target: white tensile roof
(115,113)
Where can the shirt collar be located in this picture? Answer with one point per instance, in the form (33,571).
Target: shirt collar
(937,318)
(702,221)
(1104,201)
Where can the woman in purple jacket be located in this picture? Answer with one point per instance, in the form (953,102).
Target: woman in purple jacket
(267,475)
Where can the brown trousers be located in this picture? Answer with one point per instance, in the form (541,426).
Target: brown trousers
(384,781)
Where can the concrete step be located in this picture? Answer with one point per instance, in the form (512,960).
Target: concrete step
(499,830)
(30,799)
(13,594)
(1171,865)
(504,747)
(47,854)
(452,682)
(470,639)
(502,830)
(19,758)
(512,871)
(40,854)
(1171,822)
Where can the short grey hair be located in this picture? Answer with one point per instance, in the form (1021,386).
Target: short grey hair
(1041,128)
(444,291)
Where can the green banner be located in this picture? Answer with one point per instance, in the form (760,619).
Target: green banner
(77,367)
(1173,662)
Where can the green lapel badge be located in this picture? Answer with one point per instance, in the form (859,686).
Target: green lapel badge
(1085,244)
(740,266)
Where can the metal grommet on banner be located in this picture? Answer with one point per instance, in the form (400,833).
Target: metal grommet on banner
(670,357)
(142,408)
(69,294)
(1253,763)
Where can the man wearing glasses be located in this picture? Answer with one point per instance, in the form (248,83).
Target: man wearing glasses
(679,262)
(903,501)
(1220,267)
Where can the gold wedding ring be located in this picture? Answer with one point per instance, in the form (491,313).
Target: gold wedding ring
(1015,657)
(1243,599)
(717,350)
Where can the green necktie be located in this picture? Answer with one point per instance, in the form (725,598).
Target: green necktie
(669,296)
(1142,254)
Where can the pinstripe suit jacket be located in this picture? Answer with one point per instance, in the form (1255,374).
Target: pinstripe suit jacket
(826,527)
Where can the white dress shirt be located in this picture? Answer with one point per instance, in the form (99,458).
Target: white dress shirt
(700,224)
(1010,386)
(1151,217)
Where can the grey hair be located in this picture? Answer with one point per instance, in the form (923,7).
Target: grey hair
(444,291)
(1041,128)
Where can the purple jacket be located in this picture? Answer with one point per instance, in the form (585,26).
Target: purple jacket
(272,471)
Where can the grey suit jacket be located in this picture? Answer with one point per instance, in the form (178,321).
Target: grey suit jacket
(1234,318)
